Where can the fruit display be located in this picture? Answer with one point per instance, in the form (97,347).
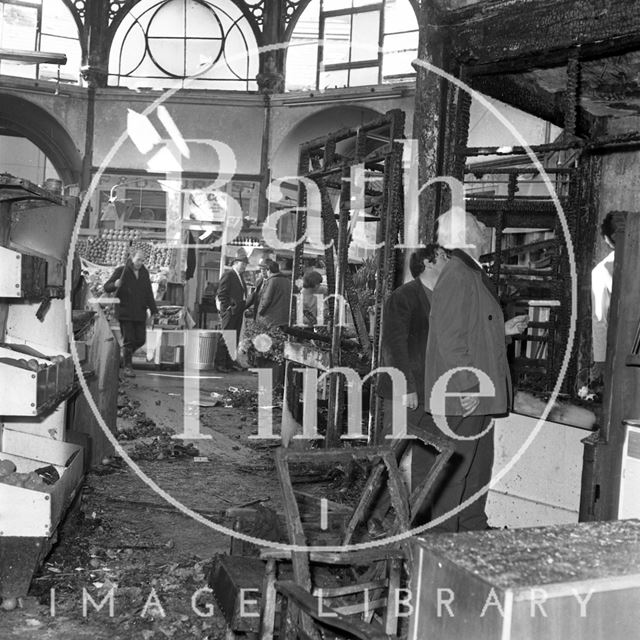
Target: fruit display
(29,480)
(110,248)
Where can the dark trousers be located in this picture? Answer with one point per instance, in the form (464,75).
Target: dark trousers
(468,470)
(229,322)
(134,335)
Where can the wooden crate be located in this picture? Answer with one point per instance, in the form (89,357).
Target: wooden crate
(569,581)
(22,275)
(24,392)
(29,513)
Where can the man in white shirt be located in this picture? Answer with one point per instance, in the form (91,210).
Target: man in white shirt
(601,286)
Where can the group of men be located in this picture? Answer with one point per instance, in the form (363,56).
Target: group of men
(270,302)
(447,325)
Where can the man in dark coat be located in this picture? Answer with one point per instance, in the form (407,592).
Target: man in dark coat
(275,301)
(405,327)
(254,299)
(132,285)
(231,297)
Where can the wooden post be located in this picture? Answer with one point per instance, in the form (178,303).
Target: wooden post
(427,117)
(621,398)
(104,360)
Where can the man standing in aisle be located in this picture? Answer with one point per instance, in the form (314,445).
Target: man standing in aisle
(275,301)
(132,285)
(601,287)
(254,299)
(466,349)
(405,327)
(231,297)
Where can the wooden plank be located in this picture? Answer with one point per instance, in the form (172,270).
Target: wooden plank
(397,491)
(621,399)
(371,489)
(299,559)
(311,606)
(268,612)
(362,557)
(103,358)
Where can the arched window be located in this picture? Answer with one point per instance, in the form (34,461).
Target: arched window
(197,44)
(347,43)
(40,25)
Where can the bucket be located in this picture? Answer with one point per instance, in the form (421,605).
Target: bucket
(200,353)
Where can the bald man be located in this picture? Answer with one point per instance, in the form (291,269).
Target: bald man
(466,331)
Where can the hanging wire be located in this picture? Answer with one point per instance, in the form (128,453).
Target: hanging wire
(57,91)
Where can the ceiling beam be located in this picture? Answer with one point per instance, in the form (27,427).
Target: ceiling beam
(532,99)
(511,36)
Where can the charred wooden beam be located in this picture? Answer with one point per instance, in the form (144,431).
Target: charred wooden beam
(528,97)
(508,36)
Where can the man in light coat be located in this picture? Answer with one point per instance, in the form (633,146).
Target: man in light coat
(467,380)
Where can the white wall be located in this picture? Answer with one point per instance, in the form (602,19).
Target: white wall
(543,486)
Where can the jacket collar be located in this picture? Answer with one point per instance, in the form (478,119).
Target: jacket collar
(472,264)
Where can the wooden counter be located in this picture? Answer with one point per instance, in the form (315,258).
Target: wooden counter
(571,581)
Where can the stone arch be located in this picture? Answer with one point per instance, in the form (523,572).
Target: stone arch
(284,157)
(45,131)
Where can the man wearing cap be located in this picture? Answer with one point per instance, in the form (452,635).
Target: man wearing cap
(231,297)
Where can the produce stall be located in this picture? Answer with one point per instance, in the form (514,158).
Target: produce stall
(40,471)
(101,254)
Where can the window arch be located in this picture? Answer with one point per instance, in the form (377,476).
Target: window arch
(40,25)
(198,44)
(346,43)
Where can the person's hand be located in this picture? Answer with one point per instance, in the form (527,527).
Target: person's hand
(410,400)
(469,404)
(118,283)
(516,325)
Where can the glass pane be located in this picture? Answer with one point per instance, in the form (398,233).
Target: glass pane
(200,53)
(399,16)
(336,39)
(19,27)
(132,54)
(69,72)
(18,70)
(236,52)
(202,22)
(168,55)
(365,40)
(302,62)
(57,20)
(399,51)
(359,77)
(302,54)
(334,79)
(168,20)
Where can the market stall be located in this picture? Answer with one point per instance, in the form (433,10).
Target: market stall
(40,471)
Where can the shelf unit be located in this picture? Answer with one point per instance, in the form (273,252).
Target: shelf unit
(36,376)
